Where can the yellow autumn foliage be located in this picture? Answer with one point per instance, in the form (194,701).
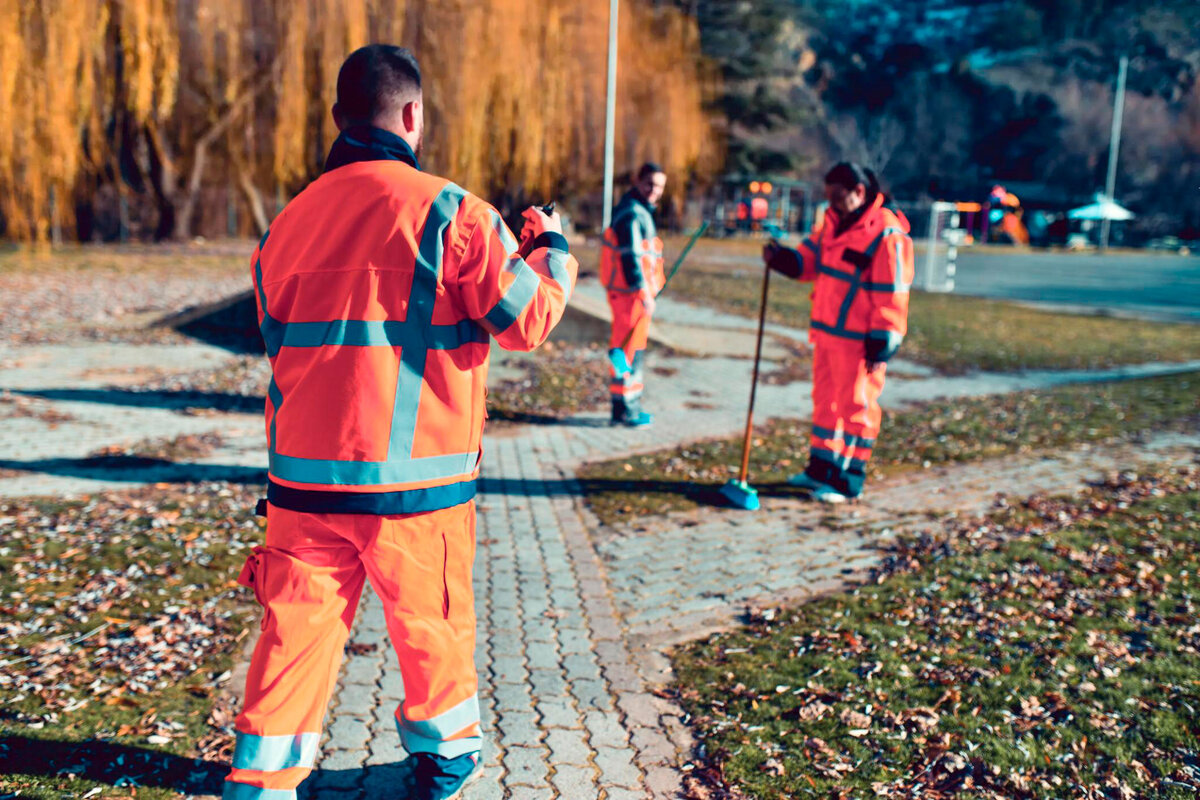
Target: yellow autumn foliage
(514,90)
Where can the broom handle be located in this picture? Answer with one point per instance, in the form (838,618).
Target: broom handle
(762,319)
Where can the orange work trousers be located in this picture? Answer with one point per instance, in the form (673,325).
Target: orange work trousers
(630,333)
(846,413)
(308,578)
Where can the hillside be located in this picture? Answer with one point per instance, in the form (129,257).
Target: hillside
(946,97)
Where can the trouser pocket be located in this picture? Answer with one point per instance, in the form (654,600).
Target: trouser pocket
(254,576)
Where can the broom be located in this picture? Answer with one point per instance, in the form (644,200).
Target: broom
(739,492)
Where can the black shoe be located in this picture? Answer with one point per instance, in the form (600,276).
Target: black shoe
(440,778)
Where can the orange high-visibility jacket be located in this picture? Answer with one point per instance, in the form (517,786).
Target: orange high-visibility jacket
(631,258)
(377,289)
(862,277)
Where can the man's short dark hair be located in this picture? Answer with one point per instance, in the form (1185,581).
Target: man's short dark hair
(375,80)
(649,168)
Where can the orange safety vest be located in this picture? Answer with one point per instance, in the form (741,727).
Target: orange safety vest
(631,257)
(377,289)
(862,277)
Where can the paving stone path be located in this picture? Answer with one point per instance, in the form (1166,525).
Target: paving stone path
(575,619)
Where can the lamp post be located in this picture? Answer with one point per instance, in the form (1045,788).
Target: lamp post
(610,112)
(1114,145)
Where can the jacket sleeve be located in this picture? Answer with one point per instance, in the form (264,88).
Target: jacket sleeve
(891,275)
(631,243)
(798,263)
(517,300)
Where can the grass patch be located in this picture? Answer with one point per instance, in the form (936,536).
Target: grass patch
(937,432)
(952,333)
(121,623)
(559,382)
(1050,651)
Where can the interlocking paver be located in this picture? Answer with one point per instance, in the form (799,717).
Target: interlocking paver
(349,732)
(616,767)
(519,729)
(527,766)
(557,712)
(575,781)
(568,746)
(605,729)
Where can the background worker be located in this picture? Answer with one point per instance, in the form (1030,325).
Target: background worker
(631,268)
(861,259)
(377,289)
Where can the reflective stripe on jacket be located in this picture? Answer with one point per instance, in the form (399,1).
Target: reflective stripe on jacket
(862,277)
(631,257)
(377,289)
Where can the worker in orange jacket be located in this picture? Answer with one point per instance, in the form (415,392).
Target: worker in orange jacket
(631,269)
(860,259)
(378,287)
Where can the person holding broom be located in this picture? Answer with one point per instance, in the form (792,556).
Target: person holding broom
(860,259)
(631,268)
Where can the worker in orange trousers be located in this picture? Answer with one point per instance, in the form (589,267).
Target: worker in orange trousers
(378,289)
(631,269)
(860,259)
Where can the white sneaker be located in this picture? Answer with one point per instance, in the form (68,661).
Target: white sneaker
(827,494)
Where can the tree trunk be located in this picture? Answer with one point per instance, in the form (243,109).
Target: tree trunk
(164,178)
(254,198)
(177,206)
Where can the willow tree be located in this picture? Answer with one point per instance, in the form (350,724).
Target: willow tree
(47,88)
(514,89)
(167,97)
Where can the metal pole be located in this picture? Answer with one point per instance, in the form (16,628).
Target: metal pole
(1114,146)
(610,122)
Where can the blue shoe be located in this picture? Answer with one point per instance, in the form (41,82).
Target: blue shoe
(635,419)
(439,778)
(803,481)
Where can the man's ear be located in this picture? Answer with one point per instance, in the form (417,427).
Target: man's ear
(339,119)
(412,115)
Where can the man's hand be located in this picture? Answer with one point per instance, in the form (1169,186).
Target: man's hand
(537,222)
(782,259)
(648,301)
(769,250)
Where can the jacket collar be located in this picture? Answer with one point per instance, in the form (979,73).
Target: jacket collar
(634,196)
(367,143)
(854,218)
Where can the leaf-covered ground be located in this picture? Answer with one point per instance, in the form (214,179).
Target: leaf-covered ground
(559,381)
(121,620)
(110,293)
(938,432)
(1050,650)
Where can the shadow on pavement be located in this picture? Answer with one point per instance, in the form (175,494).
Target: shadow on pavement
(138,469)
(704,493)
(152,399)
(527,418)
(124,766)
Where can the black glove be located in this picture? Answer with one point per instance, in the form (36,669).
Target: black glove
(783,260)
(881,345)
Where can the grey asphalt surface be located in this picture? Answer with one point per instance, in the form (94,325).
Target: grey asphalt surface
(1158,287)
